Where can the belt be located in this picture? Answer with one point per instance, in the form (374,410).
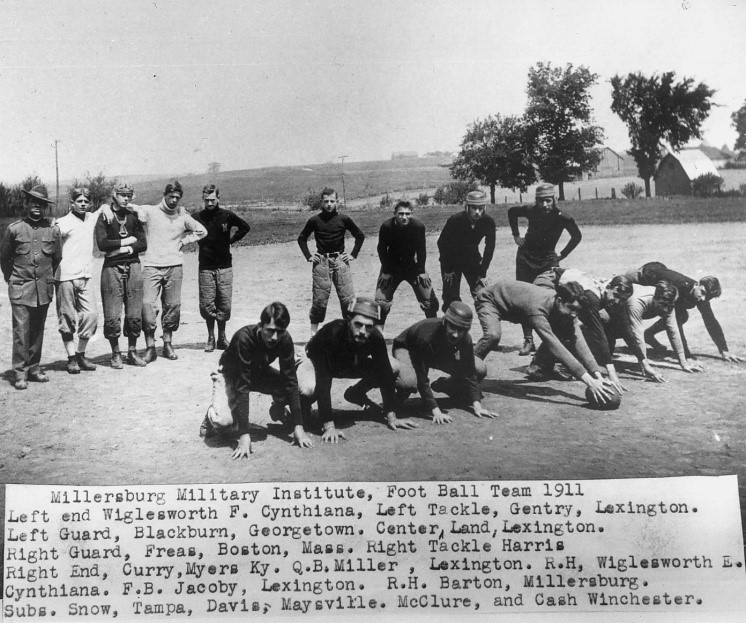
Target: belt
(331,255)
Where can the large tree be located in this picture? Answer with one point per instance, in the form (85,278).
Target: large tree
(658,109)
(495,152)
(739,123)
(560,122)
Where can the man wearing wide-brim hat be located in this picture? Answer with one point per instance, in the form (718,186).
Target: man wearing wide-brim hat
(30,253)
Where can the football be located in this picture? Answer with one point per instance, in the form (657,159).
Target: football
(610,405)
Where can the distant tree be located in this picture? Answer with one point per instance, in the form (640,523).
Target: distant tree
(739,123)
(495,152)
(707,185)
(100,186)
(632,191)
(657,109)
(6,200)
(423,199)
(560,123)
(454,193)
(213,168)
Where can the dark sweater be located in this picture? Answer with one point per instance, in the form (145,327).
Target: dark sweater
(108,238)
(215,248)
(329,230)
(653,272)
(335,355)
(544,230)
(246,360)
(428,348)
(459,244)
(401,249)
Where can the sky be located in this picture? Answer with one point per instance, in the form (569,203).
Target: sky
(166,87)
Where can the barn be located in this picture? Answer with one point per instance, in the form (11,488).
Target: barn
(677,170)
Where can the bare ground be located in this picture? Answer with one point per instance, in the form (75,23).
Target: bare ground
(141,425)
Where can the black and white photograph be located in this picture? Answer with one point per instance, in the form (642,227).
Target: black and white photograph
(358,242)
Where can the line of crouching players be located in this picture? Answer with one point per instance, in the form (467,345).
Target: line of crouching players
(577,317)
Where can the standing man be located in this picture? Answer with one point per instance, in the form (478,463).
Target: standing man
(553,314)
(401,249)
(536,252)
(331,264)
(167,228)
(120,235)
(459,248)
(245,368)
(76,302)
(443,344)
(348,348)
(691,294)
(216,264)
(30,254)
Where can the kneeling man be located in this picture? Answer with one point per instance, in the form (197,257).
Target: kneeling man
(444,344)
(350,348)
(245,367)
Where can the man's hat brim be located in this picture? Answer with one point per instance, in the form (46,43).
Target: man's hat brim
(38,196)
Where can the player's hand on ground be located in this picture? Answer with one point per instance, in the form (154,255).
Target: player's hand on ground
(243,449)
(331,434)
(395,423)
(648,371)
(480,413)
(732,358)
(303,440)
(519,241)
(614,379)
(690,367)
(441,418)
(424,281)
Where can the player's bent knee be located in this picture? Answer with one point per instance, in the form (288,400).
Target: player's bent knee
(481,368)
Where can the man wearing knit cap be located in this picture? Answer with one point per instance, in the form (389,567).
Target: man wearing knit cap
(331,263)
(350,348)
(692,293)
(402,251)
(536,251)
(120,235)
(76,302)
(459,248)
(224,228)
(167,228)
(552,314)
(30,253)
(443,344)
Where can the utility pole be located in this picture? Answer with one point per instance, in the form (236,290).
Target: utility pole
(57,170)
(344,192)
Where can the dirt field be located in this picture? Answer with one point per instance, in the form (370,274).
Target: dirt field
(141,425)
